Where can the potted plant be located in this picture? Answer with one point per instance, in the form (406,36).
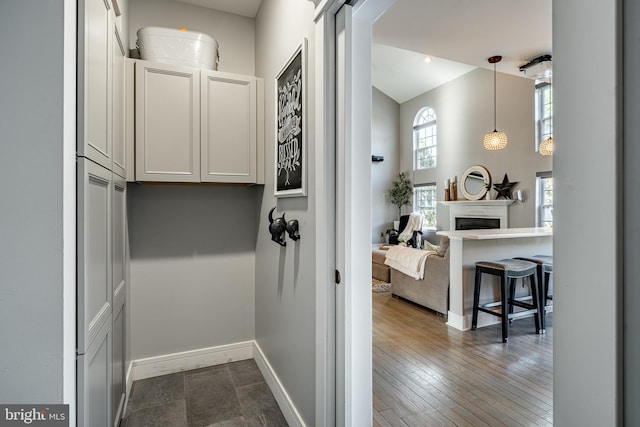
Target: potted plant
(401,192)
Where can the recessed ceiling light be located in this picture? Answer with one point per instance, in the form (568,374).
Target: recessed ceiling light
(427,59)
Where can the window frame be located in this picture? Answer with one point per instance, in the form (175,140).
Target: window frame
(541,220)
(425,120)
(542,118)
(433,188)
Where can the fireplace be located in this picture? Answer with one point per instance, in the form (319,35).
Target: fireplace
(478,214)
(464,223)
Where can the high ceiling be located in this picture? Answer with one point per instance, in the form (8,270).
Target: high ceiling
(248,8)
(458,34)
(464,31)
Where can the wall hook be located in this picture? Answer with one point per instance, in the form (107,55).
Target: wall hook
(292,229)
(277,228)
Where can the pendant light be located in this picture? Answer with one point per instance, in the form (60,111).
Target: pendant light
(546,147)
(495,140)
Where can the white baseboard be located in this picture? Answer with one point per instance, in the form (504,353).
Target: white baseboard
(456,321)
(285,403)
(187,360)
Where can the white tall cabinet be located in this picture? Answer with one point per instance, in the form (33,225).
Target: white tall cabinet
(101,216)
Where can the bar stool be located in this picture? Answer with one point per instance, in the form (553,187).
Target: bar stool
(545,268)
(508,270)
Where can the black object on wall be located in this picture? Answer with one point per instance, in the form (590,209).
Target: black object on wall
(279,227)
(377,158)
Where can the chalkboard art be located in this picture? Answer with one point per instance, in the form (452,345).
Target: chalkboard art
(290,170)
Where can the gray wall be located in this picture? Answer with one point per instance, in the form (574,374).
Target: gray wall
(587,311)
(235,34)
(192,267)
(285,276)
(31,229)
(385,141)
(192,247)
(464,110)
(631,208)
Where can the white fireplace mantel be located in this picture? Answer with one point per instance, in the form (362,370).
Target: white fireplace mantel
(498,209)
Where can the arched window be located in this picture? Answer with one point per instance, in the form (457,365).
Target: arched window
(425,143)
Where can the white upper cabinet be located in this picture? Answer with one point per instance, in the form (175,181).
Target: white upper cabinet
(167,123)
(228,126)
(94,81)
(195,125)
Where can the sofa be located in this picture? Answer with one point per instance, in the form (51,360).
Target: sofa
(433,290)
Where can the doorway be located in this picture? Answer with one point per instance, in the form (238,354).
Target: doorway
(578,398)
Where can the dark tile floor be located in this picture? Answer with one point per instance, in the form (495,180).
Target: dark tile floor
(230,395)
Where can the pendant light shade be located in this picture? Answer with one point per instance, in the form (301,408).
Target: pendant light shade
(494,140)
(546,147)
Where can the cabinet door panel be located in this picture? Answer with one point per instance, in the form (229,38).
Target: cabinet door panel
(167,123)
(94,250)
(94,82)
(228,117)
(118,386)
(94,381)
(118,105)
(118,222)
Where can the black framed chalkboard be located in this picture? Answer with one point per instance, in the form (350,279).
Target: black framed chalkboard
(290,167)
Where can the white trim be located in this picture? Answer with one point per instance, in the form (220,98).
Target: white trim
(120,412)
(69,209)
(456,321)
(325,212)
(289,411)
(129,383)
(193,359)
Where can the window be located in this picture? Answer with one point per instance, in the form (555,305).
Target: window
(544,199)
(544,112)
(425,147)
(424,196)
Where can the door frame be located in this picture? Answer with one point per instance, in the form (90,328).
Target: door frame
(578,32)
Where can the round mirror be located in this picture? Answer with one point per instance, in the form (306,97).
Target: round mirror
(475,183)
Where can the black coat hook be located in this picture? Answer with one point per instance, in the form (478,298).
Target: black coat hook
(277,228)
(292,229)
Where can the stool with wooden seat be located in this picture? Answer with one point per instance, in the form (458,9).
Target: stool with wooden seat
(508,271)
(545,268)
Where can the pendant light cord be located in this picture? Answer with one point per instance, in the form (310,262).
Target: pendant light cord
(495,127)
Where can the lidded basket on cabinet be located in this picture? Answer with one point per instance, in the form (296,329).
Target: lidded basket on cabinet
(178,47)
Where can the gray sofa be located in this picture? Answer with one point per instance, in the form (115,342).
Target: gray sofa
(433,290)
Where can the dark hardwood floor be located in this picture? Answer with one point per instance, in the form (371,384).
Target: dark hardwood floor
(428,374)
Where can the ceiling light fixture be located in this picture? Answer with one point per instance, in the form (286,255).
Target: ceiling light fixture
(495,140)
(427,59)
(546,147)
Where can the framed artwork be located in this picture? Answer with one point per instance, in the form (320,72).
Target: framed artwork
(291,151)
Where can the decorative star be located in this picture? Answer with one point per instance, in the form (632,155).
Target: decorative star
(504,188)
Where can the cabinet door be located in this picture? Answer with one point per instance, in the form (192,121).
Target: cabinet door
(94,382)
(167,123)
(94,294)
(228,118)
(118,105)
(94,81)
(118,222)
(118,385)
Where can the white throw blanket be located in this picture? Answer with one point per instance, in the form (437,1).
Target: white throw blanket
(407,260)
(413,224)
